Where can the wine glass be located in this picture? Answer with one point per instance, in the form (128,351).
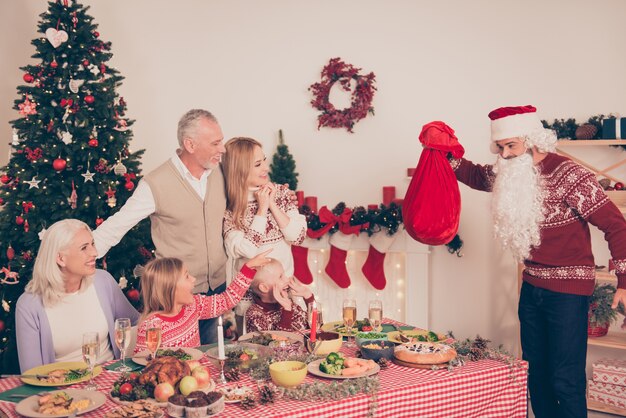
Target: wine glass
(153,336)
(320,317)
(375,314)
(122,340)
(349,318)
(91,352)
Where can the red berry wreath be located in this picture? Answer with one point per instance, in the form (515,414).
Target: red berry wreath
(361,103)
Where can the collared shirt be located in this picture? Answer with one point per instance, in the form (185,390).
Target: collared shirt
(138,207)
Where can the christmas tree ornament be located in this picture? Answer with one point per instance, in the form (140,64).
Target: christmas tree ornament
(586,131)
(96,34)
(28,78)
(10,277)
(19,220)
(10,253)
(88,175)
(1,201)
(66,102)
(26,226)
(129,185)
(121,125)
(89,99)
(27,108)
(41,234)
(111,200)
(74,19)
(27,255)
(93,142)
(54,63)
(50,126)
(103,68)
(133,295)
(73,199)
(2,326)
(67,138)
(75,85)
(56,37)
(4,179)
(33,183)
(59,164)
(6,307)
(27,206)
(15,139)
(119,168)
(99,221)
(374,267)
(94,69)
(85,63)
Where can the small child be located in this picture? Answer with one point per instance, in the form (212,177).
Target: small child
(272,307)
(166,288)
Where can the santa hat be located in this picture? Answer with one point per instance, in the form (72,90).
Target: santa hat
(512,122)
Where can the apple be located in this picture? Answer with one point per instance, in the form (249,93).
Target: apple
(163,391)
(187,385)
(202,375)
(193,364)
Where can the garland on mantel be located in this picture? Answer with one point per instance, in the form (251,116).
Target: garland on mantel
(358,219)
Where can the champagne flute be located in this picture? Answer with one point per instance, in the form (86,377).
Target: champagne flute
(122,340)
(153,336)
(349,318)
(375,314)
(91,352)
(320,319)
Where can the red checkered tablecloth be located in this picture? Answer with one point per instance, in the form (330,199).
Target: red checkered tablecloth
(486,388)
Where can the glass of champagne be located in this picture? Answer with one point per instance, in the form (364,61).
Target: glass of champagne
(349,318)
(122,340)
(91,352)
(375,314)
(153,336)
(320,317)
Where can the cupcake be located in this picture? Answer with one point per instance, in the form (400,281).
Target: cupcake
(215,401)
(196,407)
(176,405)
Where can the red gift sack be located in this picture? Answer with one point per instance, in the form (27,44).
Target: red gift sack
(432,205)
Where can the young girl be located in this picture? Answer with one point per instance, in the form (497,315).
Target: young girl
(166,287)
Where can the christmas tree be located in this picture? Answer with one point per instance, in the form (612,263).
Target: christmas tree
(70,156)
(283,166)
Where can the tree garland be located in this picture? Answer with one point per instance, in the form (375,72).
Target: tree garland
(361,103)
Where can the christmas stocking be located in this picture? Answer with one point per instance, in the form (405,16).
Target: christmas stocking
(336,267)
(301,263)
(374,267)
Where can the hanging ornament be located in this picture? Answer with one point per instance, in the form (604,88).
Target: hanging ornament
(41,234)
(27,108)
(119,168)
(4,179)
(66,102)
(33,155)
(10,253)
(10,277)
(15,139)
(102,167)
(93,142)
(103,69)
(50,126)
(59,164)
(6,307)
(19,220)
(75,85)
(27,206)
(111,200)
(96,33)
(56,37)
(74,19)
(27,255)
(54,63)
(99,221)
(95,70)
(28,78)
(85,63)
(89,99)
(88,175)
(73,200)
(1,201)
(121,124)
(26,226)
(33,183)
(129,185)
(67,138)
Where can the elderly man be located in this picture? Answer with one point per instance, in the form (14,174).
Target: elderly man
(185,199)
(542,206)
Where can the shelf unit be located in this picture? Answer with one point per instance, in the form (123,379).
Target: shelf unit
(602,407)
(600,172)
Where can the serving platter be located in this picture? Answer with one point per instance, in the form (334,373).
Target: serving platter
(64,365)
(314,369)
(29,407)
(142,356)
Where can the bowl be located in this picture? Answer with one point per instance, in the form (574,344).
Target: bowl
(254,355)
(369,336)
(326,343)
(288,373)
(386,350)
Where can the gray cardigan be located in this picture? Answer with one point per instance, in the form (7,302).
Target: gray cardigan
(34,338)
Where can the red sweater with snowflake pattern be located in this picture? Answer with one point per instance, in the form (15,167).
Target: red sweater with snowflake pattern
(563,261)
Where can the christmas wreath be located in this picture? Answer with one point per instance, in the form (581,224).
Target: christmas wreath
(361,103)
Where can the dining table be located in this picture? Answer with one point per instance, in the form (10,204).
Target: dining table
(483,388)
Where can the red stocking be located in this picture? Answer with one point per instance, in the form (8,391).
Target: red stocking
(301,264)
(336,267)
(374,267)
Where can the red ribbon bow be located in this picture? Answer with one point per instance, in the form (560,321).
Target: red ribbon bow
(330,219)
(27,206)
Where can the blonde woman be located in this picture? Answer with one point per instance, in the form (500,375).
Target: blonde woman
(166,290)
(66,297)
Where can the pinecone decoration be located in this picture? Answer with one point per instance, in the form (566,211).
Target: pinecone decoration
(383,363)
(233,375)
(476,354)
(480,343)
(249,402)
(586,131)
(266,395)
(605,183)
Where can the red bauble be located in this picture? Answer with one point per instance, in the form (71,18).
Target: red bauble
(54,64)
(85,63)
(103,69)
(93,142)
(10,253)
(99,221)
(133,295)
(2,326)
(1,201)
(59,164)
(89,99)
(96,33)
(19,220)
(129,185)
(5,179)
(26,226)
(28,78)
(619,186)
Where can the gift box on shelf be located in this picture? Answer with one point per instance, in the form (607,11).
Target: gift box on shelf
(611,371)
(607,394)
(614,128)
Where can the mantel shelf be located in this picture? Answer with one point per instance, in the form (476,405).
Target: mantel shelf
(588,142)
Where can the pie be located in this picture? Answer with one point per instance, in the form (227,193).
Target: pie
(424,353)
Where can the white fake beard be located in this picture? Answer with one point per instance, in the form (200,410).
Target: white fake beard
(517,205)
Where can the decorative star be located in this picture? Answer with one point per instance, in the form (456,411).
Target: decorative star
(33,183)
(67,138)
(27,108)
(88,175)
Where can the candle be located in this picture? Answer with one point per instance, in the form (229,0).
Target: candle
(313,323)
(300,197)
(311,202)
(389,193)
(410,172)
(220,340)
(398,201)
(372,206)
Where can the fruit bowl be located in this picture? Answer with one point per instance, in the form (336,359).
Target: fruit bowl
(288,373)
(326,343)
(377,349)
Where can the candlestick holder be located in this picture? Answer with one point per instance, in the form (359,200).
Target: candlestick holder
(222,376)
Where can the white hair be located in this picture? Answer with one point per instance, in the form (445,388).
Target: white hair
(542,139)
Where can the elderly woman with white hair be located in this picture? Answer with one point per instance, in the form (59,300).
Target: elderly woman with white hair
(66,297)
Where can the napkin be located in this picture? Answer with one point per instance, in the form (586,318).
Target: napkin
(27,390)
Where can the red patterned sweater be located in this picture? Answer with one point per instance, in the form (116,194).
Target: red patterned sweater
(182,329)
(263,316)
(563,261)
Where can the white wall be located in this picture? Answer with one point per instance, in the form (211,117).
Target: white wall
(252,62)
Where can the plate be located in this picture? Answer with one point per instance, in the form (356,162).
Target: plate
(291,336)
(142,356)
(236,390)
(314,369)
(47,368)
(394,336)
(332,327)
(207,389)
(28,407)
